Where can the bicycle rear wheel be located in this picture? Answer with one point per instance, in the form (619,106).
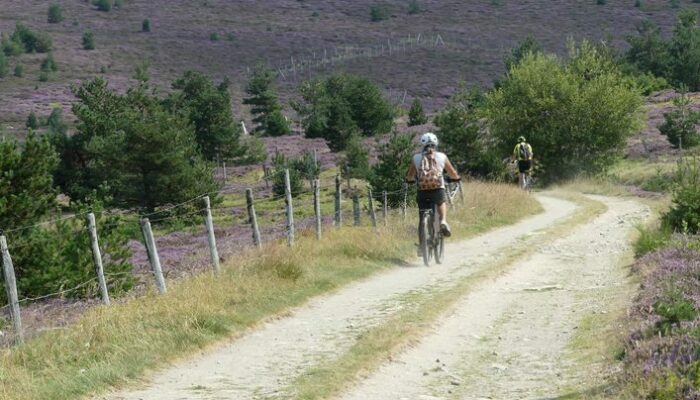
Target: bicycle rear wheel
(424,238)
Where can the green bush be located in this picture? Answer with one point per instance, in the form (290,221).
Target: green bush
(378,13)
(55,123)
(651,239)
(3,65)
(30,41)
(576,113)
(32,121)
(601,2)
(265,106)
(49,64)
(390,172)
(214,37)
(254,151)
(55,13)
(684,215)
(637,3)
(279,164)
(44,76)
(356,160)
(88,40)
(146,25)
(19,70)
(416,115)
(680,124)
(119,4)
(11,47)
(413,7)
(673,309)
(103,5)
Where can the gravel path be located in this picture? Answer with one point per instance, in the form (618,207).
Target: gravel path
(264,361)
(511,338)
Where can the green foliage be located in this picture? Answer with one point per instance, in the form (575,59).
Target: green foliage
(26,186)
(131,148)
(57,257)
(341,106)
(356,161)
(684,51)
(88,40)
(119,4)
(651,239)
(3,65)
(55,13)
(646,82)
(413,7)
(19,69)
(307,167)
(49,64)
(637,3)
(648,52)
(29,41)
(390,172)
(266,109)
(378,12)
(214,37)
(103,5)
(11,47)
(529,45)
(601,2)
(208,108)
(675,3)
(141,73)
(680,124)
(684,215)
(279,164)
(146,25)
(44,76)
(55,123)
(462,136)
(253,151)
(577,114)
(32,121)
(416,115)
(674,309)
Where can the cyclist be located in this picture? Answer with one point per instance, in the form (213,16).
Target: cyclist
(427,168)
(522,153)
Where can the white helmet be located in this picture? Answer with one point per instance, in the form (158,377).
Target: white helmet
(428,138)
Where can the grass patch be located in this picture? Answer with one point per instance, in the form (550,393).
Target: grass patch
(381,342)
(112,346)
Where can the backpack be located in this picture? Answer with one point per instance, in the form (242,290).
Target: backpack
(429,174)
(524,151)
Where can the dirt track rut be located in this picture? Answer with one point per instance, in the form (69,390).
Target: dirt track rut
(264,361)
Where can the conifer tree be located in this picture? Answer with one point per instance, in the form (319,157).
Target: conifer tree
(416,116)
(266,110)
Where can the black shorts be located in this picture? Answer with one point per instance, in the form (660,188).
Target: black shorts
(426,198)
(524,165)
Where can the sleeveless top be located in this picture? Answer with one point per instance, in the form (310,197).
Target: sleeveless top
(440,159)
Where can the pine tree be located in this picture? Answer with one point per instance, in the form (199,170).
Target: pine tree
(390,172)
(55,13)
(3,65)
(416,116)
(266,110)
(356,162)
(209,109)
(32,121)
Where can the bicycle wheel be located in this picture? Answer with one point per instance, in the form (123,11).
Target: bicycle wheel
(424,238)
(436,240)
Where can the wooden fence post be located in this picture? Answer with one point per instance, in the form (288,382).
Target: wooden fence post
(370,202)
(209,222)
(290,209)
(11,290)
(97,257)
(153,254)
(356,207)
(385,207)
(252,218)
(225,176)
(404,201)
(317,207)
(338,198)
(461,192)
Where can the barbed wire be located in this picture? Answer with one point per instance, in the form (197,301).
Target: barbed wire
(44,223)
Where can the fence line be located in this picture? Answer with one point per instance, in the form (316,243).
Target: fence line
(358,197)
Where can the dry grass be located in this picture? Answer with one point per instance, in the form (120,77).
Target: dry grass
(111,346)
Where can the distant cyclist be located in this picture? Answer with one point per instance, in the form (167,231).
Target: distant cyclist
(427,169)
(522,153)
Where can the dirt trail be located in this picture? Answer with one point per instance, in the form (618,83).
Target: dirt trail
(264,361)
(512,338)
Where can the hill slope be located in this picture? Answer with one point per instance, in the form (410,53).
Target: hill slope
(331,35)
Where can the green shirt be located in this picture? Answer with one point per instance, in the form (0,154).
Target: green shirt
(518,156)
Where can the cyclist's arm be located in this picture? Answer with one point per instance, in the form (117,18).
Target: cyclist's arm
(515,152)
(451,171)
(411,175)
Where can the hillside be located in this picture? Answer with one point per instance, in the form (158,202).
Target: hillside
(432,51)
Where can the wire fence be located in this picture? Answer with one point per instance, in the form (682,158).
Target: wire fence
(231,225)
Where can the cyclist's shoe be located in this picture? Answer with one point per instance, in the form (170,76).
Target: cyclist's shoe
(445,229)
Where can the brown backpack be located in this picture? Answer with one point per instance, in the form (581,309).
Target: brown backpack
(429,174)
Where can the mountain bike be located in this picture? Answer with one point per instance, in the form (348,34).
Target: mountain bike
(525,181)
(430,237)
